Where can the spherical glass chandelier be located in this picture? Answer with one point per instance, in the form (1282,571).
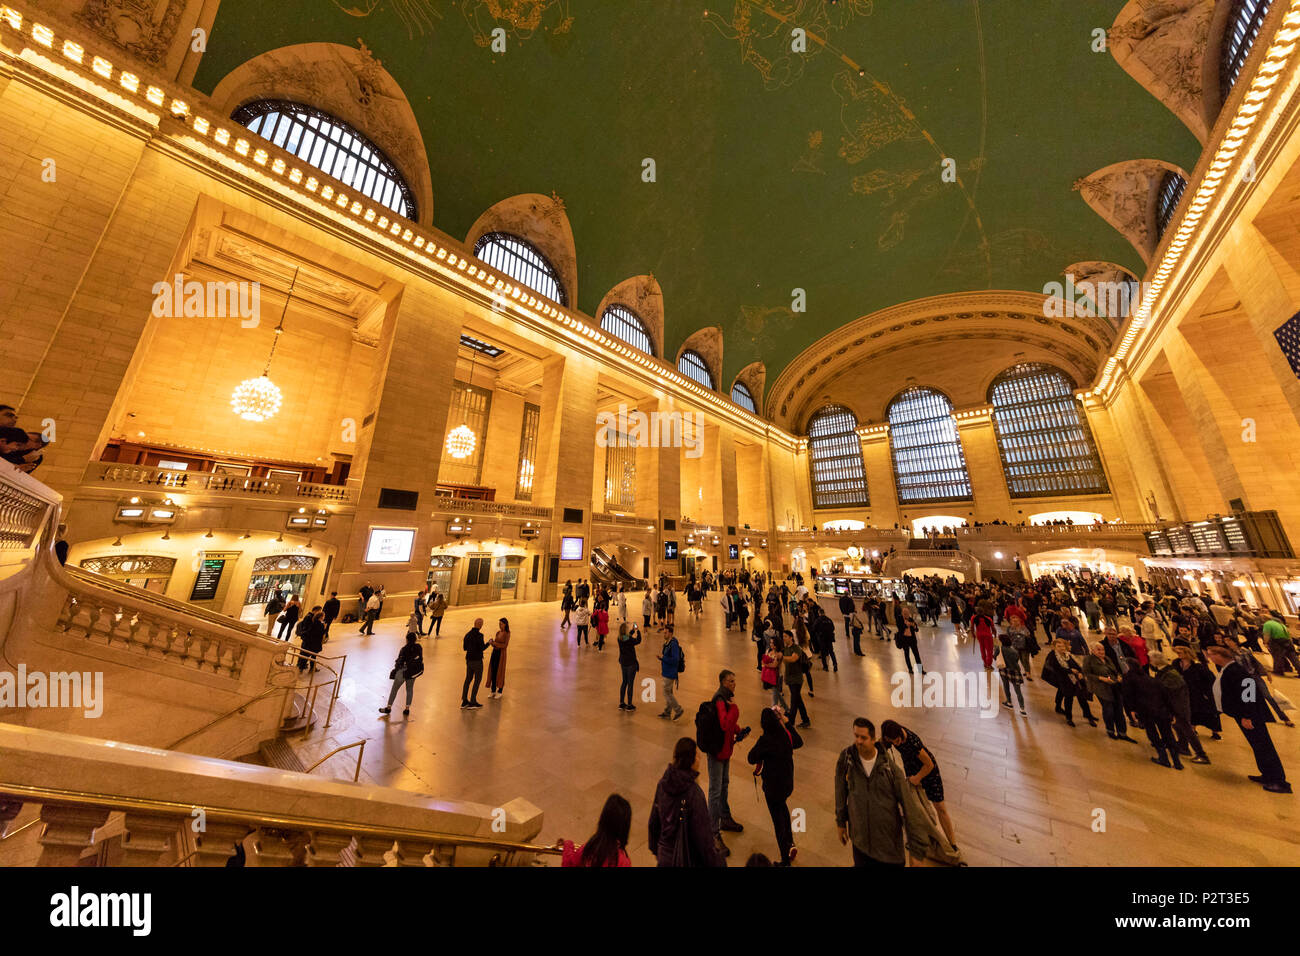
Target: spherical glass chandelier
(259,399)
(256,399)
(461,441)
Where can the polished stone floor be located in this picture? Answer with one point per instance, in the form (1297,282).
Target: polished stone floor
(1020,790)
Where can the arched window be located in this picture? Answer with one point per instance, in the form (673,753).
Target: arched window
(621,322)
(521,261)
(835,459)
(1043,436)
(1171,191)
(332,146)
(929,464)
(743,397)
(1244,21)
(692,365)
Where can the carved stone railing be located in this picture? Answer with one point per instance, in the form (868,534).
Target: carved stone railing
(101,610)
(468,506)
(23,511)
(600,517)
(169,481)
(165,808)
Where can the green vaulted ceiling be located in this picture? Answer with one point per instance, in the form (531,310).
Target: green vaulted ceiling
(776,170)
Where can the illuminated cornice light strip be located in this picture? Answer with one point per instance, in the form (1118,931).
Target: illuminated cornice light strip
(1208,190)
(422,250)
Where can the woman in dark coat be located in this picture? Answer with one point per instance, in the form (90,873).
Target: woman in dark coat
(773,758)
(1200,691)
(680,803)
(1064,673)
(1151,701)
(312,632)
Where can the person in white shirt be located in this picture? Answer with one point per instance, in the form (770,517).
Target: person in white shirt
(372,614)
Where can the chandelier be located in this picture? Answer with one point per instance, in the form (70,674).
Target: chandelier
(461,440)
(259,399)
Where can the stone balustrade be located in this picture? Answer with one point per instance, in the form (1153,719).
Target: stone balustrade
(139,477)
(125,805)
(505,509)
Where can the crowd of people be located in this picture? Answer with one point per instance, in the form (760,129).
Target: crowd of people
(1165,661)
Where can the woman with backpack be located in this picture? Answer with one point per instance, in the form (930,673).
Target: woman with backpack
(773,758)
(408,666)
(608,845)
(798,664)
(628,638)
(311,629)
(681,832)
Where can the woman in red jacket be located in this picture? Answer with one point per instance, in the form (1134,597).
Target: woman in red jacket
(608,845)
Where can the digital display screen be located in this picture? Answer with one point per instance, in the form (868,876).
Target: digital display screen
(733,551)
(209,576)
(390,545)
(670,550)
(571,549)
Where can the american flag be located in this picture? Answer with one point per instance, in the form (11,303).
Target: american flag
(1288,339)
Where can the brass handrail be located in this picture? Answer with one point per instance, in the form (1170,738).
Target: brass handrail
(184,811)
(29,823)
(360,753)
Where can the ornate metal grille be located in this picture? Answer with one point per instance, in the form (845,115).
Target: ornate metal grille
(622,322)
(1244,22)
(835,459)
(1171,191)
(743,397)
(528,452)
(692,365)
(521,260)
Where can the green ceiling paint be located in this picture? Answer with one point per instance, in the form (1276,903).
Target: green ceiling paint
(776,170)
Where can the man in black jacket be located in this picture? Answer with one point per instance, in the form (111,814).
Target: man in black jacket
(474,645)
(1240,696)
(824,629)
(331,610)
(847,608)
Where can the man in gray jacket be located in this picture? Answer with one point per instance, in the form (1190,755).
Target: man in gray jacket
(869,800)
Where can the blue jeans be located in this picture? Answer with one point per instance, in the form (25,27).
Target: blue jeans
(719,778)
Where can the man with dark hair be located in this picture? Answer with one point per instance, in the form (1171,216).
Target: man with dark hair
(474,645)
(1240,696)
(719,764)
(869,800)
(331,610)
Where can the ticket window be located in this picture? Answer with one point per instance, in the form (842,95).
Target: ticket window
(148,572)
(262,586)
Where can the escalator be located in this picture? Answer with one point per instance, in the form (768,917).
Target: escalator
(606,570)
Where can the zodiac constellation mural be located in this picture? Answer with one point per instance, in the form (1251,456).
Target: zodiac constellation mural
(764,33)
(416,15)
(521,19)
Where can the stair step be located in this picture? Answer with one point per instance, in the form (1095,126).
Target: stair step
(277,753)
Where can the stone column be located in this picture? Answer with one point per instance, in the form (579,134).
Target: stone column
(878,466)
(566,465)
(401,448)
(658,484)
(988,482)
(1115,462)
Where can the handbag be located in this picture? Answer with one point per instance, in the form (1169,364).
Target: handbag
(682,845)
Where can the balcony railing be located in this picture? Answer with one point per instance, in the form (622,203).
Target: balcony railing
(444,505)
(116,474)
(600,517)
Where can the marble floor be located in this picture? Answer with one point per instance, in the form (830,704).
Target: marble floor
(1020,790)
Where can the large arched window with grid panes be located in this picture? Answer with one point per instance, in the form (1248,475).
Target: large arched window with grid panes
(1043,436)
(742,396)
(621,322)
(522,261)
(692,365)
(332,146)
(1245,18)
(929,464)
(835,459)
(1167,199)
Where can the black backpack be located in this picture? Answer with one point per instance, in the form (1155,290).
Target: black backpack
(708,729)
